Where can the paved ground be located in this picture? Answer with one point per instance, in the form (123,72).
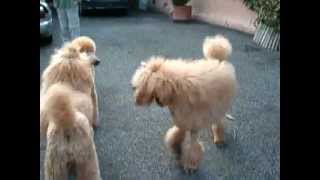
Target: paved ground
(129,141)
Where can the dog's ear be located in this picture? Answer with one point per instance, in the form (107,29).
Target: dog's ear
(145,94)
(164,92)
(146,80)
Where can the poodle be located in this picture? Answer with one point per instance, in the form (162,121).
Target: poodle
(198,94)
(69,111)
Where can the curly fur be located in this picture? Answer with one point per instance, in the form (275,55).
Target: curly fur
(198,93)
(68,111)
(217,47)
(173,139)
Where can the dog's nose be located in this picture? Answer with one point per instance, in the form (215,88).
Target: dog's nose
(94,59)
(96,62)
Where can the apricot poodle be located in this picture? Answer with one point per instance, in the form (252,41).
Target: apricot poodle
(198,94)
(69,111)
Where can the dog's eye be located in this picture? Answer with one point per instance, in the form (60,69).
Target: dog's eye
(134,88)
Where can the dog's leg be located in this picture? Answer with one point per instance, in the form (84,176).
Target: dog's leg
(218,132)
(94,97)
(43,122)
(54,169)
(192,152)
(173,139)
(43,127)
(43,89)
(90,169)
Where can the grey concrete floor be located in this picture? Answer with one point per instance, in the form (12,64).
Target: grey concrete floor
(130,140)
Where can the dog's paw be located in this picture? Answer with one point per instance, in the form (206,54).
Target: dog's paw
(191,157)
(218,135)
(190,166)
(190,171)
(221,146)
(218,141)
(95,124)
(191,163)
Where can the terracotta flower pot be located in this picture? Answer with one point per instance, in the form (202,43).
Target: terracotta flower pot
(182,13)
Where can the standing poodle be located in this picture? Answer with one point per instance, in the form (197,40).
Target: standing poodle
(69,111)
(198,94)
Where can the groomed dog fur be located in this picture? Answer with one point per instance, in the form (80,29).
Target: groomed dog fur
(198,94)
(68,112)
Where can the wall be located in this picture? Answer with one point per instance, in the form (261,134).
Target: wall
(229,13)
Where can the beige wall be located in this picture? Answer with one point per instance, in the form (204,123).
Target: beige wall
(229,13)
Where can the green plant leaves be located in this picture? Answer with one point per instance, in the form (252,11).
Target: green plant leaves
(268,12)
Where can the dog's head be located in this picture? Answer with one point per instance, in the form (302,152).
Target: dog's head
(150,83)
(87,46)
(70,65)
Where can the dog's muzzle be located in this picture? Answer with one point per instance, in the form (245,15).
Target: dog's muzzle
(95,60)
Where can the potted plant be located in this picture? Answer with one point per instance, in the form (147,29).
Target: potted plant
(267,34)
(181,11)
